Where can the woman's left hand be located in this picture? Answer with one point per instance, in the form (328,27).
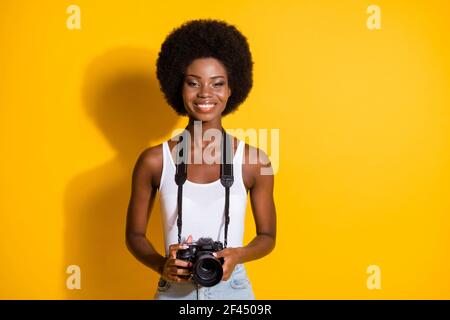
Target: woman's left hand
(231,258)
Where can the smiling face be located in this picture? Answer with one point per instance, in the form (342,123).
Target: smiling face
(205,89)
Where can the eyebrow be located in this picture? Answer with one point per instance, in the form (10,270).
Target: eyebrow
(213,77)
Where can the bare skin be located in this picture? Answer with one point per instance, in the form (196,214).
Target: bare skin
(205,82)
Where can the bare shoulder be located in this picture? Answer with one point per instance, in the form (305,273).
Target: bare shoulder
(150,163)
(256,163)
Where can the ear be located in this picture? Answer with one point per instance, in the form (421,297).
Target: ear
(229,92)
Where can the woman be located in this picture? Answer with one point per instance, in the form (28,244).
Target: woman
(205,72)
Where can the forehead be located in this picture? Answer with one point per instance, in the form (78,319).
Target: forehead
(206,67)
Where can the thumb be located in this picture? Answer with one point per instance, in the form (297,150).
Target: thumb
(189,239)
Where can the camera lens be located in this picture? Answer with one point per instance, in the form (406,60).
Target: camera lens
(207,270)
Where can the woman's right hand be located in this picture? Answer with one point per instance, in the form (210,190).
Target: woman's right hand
(174,268)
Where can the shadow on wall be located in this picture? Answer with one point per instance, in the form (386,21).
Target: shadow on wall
(121,95)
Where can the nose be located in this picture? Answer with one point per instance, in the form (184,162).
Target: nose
(203,92)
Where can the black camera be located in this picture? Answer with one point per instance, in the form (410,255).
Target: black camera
(206,269)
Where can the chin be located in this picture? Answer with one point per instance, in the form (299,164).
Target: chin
(203,117)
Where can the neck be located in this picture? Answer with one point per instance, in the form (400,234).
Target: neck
(197,128)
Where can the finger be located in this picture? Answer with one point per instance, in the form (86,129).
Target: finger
(225,277)
(179,279)
(173,251)
(189,239)
(183,272)
(175,278)
(177,263)
(169,263)
(174,271)
(179,271)
(225,273)
(173,248)
(182,263)
(221,253)
(171,271)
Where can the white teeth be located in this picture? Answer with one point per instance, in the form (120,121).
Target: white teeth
(205,105)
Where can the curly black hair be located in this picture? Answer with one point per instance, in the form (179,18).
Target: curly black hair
(204,38)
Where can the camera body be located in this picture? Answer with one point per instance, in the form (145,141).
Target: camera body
(206,269)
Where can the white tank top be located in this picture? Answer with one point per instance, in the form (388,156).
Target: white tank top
(203,204)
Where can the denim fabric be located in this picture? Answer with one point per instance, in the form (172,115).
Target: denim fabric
(238,287)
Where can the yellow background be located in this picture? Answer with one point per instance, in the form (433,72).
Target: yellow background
(364,143)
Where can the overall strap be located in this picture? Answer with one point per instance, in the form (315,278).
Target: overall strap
(181,175)
(226,176)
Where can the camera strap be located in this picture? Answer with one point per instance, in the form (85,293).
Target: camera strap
(226,176)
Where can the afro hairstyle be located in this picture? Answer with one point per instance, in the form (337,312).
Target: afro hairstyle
(204,38)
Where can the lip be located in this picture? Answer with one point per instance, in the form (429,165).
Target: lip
(205,110)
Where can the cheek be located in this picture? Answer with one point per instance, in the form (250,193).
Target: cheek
(223,94)
(188,94)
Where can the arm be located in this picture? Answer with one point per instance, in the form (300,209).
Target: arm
(142,197)
(264,213)
(143,192)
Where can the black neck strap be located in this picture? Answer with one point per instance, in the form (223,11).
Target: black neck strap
(226,176)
